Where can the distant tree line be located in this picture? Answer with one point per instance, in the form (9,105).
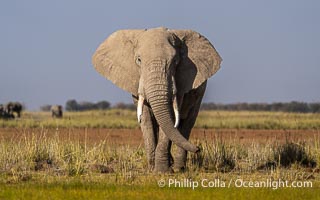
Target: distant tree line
(293,106)
(73,105)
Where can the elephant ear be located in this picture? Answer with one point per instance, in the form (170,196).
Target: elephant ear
(199,60)
(114,59)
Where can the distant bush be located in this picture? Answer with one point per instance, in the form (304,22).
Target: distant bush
(45,108)
(102,105)
(121,105)
(293,106)
(72,105)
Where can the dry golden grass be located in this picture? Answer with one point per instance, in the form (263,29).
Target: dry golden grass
(42,157)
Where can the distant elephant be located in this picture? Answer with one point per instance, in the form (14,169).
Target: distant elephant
(14,107)
(56,111)
(4,114)
(2,111)
(165,71)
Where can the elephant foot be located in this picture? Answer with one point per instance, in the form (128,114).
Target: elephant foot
(179,167)
(161,169)
(163,166)
(151,166)
(180,161)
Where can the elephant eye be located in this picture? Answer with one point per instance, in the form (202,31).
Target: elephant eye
(138,60)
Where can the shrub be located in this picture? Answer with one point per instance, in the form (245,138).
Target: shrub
(292,153)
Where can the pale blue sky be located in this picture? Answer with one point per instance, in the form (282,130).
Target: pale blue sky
(270,49)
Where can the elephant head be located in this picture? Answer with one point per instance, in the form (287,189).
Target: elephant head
(154,66)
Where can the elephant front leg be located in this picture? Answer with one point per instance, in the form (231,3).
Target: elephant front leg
(163,159)
(150,132)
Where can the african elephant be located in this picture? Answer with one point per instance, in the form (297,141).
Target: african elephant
(166,72)
(4,114)
(12,107)
(56,111)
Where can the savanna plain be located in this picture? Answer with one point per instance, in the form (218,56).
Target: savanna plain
(100,155)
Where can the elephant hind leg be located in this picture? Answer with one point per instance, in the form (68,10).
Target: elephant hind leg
(181,154)
(191,105)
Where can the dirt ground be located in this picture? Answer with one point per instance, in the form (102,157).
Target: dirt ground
(133,137)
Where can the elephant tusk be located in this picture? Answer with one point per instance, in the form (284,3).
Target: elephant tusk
(174,87)
(139,108)
(176,111)
(175,103)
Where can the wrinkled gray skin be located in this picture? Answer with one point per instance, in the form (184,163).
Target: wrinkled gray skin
(166,72)
(14,107)
(56,111)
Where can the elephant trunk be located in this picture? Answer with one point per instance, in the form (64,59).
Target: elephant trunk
(158,90)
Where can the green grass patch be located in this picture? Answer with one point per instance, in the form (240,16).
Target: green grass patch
(91,190)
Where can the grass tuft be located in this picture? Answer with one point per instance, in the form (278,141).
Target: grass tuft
(294,153)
